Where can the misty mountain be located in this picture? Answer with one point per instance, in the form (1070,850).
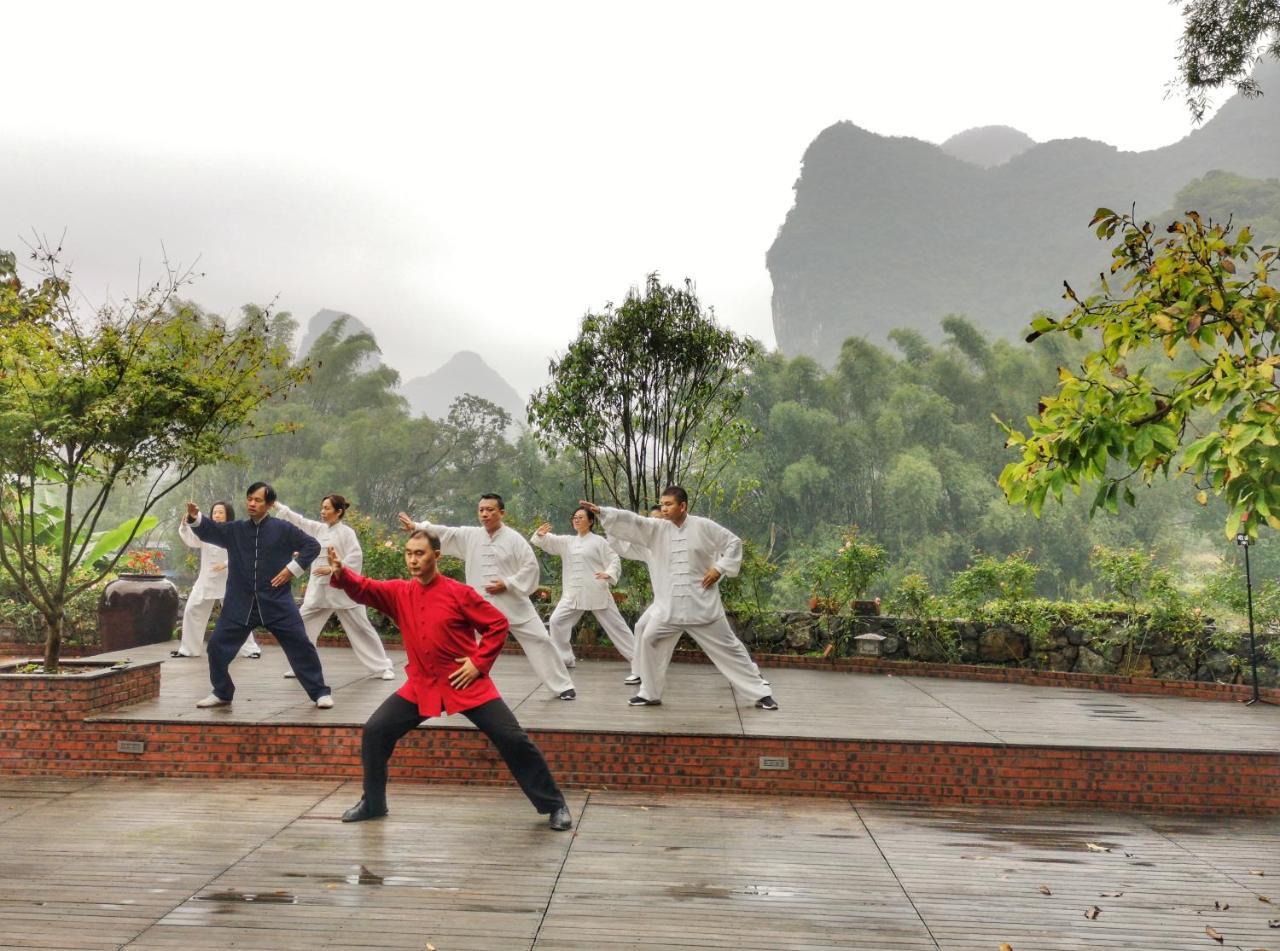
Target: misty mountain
(988,145)
(896,232)
(464,372)
(322,320)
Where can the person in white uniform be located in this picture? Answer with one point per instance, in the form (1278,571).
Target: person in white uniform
(501,566)
(637,552)
(689,556)
(589,566)
(209,587)
(322,600)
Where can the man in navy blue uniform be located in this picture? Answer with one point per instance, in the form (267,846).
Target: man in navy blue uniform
(263,555)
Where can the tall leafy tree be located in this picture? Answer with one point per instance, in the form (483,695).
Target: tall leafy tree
(648,393)
(142,394)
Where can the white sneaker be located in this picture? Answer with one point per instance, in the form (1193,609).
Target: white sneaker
(325,702)
(388,674)
(213,700)
(632,679)
(252,655)
(289,674)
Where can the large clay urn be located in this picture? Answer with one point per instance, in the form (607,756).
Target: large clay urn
(135,610)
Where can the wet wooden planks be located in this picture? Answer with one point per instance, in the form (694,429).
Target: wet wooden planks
(213,865)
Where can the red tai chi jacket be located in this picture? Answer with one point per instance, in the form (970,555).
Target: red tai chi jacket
(439,622)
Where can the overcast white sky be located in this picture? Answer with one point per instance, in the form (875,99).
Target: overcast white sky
(476,176)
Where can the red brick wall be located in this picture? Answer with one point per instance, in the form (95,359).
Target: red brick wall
(1169,782)
(43,731)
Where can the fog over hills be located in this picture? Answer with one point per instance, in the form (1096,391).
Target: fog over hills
(897,232)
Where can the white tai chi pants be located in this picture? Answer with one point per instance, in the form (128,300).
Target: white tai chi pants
(543,656)
(364,639)
(718,642)
(563,618)
(195,622)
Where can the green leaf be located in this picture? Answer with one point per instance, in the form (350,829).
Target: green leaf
(112,540)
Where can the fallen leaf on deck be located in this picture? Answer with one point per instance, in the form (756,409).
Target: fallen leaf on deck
(1092,912)
(1006,947)
(1213,934)
(1256,871)
(1095,848)
(1128,855)
(431,947)
(1110,894)
(1274,923)
(1221,906)
(1044,890)
(1264,898)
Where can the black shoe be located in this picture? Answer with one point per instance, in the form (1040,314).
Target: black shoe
(560,820)
(639,701)
(569,694)
(362,811)
(767,703)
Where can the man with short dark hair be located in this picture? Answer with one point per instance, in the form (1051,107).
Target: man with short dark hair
(501,566)
(687,557)
(448,670)
(263,555)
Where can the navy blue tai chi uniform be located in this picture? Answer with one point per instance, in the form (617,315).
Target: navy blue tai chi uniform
(256,552)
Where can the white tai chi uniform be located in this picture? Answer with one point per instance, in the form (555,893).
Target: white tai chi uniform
(209,587)
(581,557)
(322,600)
(507,557)
(680,556)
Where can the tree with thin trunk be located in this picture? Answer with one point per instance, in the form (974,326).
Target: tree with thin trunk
(137,393)
(649,394)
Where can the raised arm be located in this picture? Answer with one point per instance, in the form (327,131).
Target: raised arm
(629,550)
(206,529)
(631,527)
(286,514)
(379,595)
(187,535)
(453,541)
(551,544)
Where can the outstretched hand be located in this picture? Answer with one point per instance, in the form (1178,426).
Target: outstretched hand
(406,522)
(335,563)
(193,511)
(544,528)
(589,506)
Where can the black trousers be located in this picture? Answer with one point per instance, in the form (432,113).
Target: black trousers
(228,637)
(397,716)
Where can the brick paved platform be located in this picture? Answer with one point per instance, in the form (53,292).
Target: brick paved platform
(863,736)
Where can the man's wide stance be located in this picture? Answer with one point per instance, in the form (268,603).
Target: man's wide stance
(448,673)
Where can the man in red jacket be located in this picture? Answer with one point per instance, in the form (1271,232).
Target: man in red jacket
(448,673)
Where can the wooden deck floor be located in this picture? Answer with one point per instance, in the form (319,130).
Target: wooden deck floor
(180,864)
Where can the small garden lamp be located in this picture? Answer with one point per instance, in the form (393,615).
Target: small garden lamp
(869,645)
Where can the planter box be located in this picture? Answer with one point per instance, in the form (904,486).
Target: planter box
(91,687)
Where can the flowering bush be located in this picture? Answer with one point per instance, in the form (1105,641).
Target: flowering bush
(142,561)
